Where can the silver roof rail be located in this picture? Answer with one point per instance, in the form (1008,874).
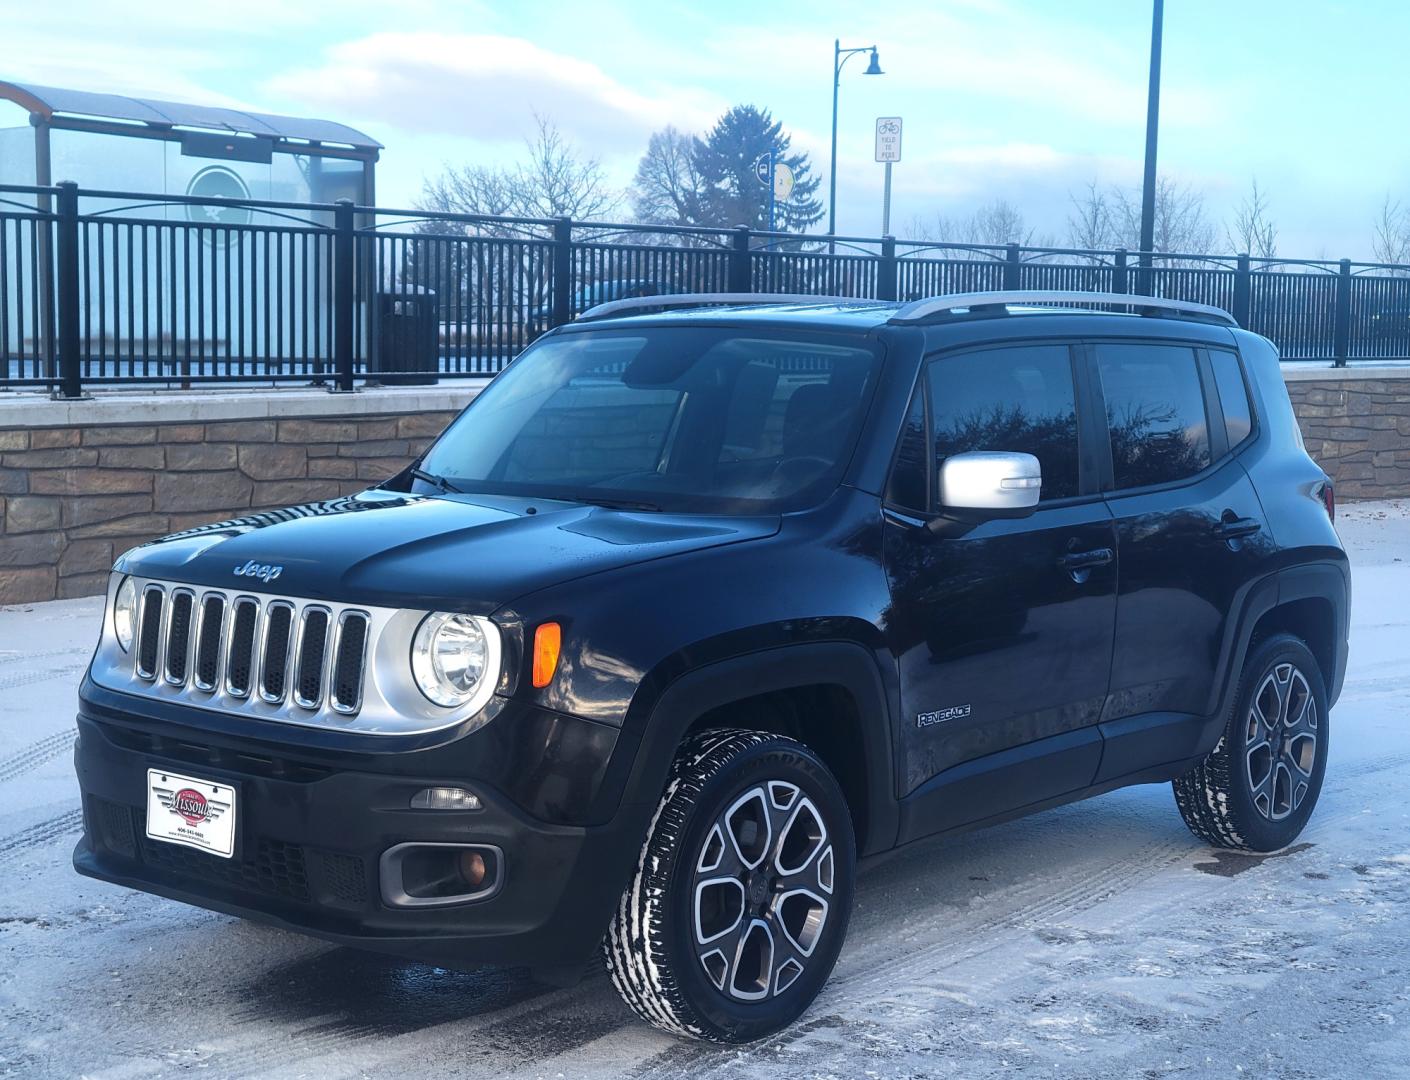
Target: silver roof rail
(937,305)
(678,300)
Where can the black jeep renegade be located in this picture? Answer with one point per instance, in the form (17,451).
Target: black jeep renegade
(706,599)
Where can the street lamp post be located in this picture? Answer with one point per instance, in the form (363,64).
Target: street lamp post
(840,56)
(1152,126)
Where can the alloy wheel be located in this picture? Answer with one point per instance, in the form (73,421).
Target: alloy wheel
(762,882)
(1280,746)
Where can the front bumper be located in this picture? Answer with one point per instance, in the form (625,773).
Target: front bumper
(309,841)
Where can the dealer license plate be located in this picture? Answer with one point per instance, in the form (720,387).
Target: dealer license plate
(197,813)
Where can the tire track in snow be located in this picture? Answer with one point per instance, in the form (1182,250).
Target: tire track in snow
(17,657)
(37,754)
(11,682)
(45,832)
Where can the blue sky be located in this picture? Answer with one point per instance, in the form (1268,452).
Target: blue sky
(1023,99)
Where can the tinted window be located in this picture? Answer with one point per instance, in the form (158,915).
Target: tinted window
(1233,395)
(1019,399)
(1155,412)
(908,483)
(684,418)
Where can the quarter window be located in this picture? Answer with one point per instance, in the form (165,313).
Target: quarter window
(908,480)
(1155,413)
(1018,399)
(1233,395)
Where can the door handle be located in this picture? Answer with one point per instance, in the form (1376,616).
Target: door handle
(1233,528)
(1085,560)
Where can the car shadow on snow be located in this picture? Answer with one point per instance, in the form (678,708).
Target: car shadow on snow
(372,994)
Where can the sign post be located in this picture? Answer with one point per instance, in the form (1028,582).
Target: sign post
(888,150)
(778,178)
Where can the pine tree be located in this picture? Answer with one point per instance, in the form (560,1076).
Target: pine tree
(731,192)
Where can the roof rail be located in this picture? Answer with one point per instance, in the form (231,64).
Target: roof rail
(680,300)
(919,310)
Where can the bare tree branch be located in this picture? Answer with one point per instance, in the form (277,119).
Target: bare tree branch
(996,222)
(551,181)
(1253,231)
(1390,237)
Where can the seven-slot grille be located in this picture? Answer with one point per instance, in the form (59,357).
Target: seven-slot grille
(274,648)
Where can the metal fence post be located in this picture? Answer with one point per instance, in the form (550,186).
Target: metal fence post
(562,272)
(740,278)
(1120,275)
(1243,290)
(66,293)
(886,270)
(344,302)
(1012,265)
(1341,340)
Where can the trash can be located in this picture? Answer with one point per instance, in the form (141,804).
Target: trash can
(408,349)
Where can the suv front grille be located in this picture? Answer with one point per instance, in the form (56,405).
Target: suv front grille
(242,646)
(285,659)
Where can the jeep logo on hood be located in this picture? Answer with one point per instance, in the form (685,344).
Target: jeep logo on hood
(263,571)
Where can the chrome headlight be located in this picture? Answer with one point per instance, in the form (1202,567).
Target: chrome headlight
(125,614)
(450,658)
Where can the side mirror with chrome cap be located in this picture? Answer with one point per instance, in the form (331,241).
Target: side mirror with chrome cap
(981,485)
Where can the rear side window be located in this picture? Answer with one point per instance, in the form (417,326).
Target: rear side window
(1155,413)
(1233,395)
(1019,399)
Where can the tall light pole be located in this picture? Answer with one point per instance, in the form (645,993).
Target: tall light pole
(840,56)
(1152,127)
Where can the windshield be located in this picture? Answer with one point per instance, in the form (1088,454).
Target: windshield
(687,419)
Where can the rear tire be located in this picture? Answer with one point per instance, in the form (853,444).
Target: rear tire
(1259,785)
(738,907)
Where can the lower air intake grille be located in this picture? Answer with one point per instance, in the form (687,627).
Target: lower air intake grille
(272,867)
(112,826)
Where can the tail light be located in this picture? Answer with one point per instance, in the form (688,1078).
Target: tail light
(1328,496)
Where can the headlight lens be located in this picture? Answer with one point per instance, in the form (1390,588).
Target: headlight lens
(448,657)
(125,613)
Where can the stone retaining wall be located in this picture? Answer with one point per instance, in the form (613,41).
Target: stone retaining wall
(74,495)
(1357,426)
(80,482)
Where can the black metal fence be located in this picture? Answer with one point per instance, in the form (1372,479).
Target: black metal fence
(103,288)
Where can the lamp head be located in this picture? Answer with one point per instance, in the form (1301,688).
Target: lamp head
(874,68)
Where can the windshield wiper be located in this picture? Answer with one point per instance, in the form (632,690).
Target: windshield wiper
(440,483)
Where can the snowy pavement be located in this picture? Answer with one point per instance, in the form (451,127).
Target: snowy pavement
(1096,940)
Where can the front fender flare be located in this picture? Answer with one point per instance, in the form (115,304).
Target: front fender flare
(654,731)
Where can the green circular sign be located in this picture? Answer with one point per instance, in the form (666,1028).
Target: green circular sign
(217,182)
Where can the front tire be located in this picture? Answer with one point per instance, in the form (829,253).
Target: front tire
(1259,785)
(739,904)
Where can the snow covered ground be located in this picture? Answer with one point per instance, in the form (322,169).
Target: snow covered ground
(1097,940)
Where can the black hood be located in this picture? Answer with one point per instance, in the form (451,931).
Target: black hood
(460,552)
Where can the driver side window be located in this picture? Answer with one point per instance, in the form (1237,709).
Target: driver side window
(1018,398)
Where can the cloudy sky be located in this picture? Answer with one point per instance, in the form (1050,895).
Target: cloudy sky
(1025,99)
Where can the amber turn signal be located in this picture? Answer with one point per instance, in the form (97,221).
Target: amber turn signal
(548,640)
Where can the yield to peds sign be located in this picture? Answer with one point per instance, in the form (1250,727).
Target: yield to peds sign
(888,138)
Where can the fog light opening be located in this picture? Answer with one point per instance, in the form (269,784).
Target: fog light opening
(421,875)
